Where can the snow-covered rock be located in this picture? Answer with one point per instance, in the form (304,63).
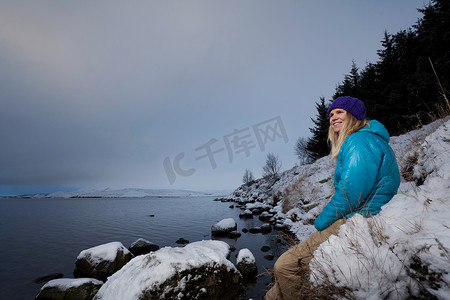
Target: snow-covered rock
(69,288)
(247,214)
(102,261)
(199,270)
(142,246)
(224,227)
(266,228)
(246,263)
(265,216)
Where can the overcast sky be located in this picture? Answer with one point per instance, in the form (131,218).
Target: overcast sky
(171,94)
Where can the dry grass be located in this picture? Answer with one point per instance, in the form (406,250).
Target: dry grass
(308,291)
(407,169)
(440,85)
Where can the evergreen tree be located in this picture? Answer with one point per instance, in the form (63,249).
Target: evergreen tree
(401,86)
(317,145)
(350,85)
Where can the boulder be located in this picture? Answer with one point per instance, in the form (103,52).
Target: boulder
(255,229)
(141,246)
(280,226)
(70,289)
(266,228)
(182,241)
(247,214)
(246,264)
(265,216)
(199,270)
(102,261)
(265,248)
(269,257)
(224,227)
(257,210)
(234,234)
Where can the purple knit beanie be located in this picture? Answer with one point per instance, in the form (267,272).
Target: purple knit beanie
(352,105)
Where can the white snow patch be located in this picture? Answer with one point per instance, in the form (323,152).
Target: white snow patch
(67,283)
(245,256)
(225,224)
(103,252)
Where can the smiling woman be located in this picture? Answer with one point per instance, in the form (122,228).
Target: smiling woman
(366,178)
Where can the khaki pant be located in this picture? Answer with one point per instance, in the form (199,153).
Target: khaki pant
(292,267)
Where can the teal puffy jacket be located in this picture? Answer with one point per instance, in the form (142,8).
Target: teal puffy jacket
(366,176)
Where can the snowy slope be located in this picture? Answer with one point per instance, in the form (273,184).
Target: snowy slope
(402,252)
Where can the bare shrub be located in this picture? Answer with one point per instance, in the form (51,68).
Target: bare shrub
(272,166)
(248,178)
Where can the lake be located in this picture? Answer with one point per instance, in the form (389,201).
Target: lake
(44,236)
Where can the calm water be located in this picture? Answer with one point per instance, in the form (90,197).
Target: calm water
(43,236)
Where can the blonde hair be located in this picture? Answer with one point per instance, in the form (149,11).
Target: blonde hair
(349,126)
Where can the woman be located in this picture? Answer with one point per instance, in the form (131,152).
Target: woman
(366,178)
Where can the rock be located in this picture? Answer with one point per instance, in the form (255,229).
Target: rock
(269,257)
(199,270)
(265,248)
(279,226)
(257,210)
(69,289)
(244,230)
(141,246)
(247,214)
(255,230)
(231,206)
(266,228)
(182,241)
(224,227)
(246,263)
(234,234)
(265,216)
(102,261)
(46,278)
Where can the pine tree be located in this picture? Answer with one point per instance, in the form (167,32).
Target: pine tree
(350,85)
(317,145)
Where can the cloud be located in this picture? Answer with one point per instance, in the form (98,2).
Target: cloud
(102,91)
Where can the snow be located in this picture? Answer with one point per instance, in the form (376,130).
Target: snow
(67,283)
(103,252)
(133,193)
(245,256)
(224,225)
(153,269)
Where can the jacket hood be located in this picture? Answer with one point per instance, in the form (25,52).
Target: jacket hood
(376,128)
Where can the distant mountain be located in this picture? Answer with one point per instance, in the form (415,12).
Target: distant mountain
(134,193)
